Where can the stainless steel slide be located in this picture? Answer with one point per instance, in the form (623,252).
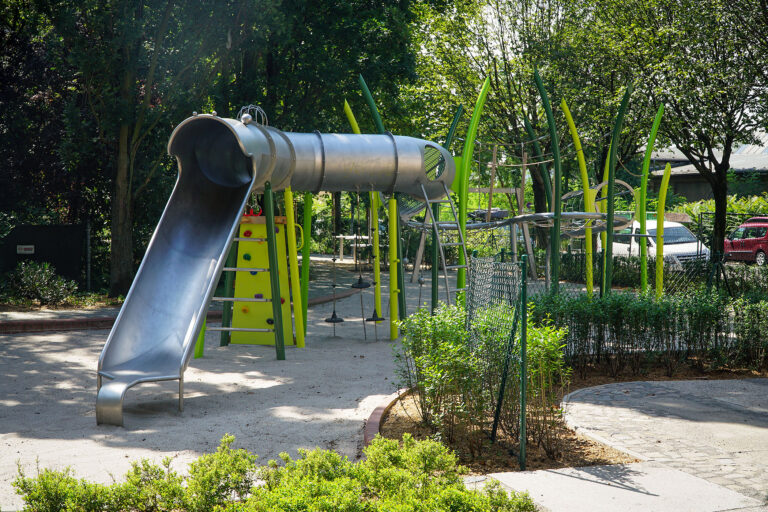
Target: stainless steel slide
(221,161)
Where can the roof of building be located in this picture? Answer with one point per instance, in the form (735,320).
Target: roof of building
(744,158)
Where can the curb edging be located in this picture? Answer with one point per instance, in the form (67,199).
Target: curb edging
(373,424)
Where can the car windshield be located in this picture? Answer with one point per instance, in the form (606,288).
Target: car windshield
(675,235)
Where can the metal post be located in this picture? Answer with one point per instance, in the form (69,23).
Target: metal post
(305,256)
(229,291)
(523,358)
(435,257)
(277,312)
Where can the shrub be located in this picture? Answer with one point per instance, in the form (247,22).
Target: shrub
(38,281)
(458,374)
(419,475)
(216,478)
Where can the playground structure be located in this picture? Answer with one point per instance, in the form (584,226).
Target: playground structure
(223,161)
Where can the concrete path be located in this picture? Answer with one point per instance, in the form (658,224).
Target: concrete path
(705,444)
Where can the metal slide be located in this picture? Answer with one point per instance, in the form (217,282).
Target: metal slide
(221,161)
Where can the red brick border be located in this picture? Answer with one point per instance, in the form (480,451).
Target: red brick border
(373,425)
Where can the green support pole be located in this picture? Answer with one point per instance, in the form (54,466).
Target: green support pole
(305,256)
(588,202)
(397,234)
(555,232)
(277,313)
(400,269)
(641,202)
(660,231)
(523,357)
(298,304)
(539,156)
(608,249)
(466,162)
(393,270)
(229,291)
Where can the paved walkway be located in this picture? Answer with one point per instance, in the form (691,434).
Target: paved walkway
(704,445)
(715,430)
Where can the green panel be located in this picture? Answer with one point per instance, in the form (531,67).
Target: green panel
(555,231)
(608,249)
(641,202)
(466,161)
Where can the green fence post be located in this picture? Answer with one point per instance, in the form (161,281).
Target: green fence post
(523,356)
(277,313)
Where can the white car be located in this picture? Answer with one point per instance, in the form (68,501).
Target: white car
(680,245)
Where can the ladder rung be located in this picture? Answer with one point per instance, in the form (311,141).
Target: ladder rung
(439,201)
(237,329)
(452,224)
(452,244)
(240,299)
(241,239)
(244,269)
(453,267)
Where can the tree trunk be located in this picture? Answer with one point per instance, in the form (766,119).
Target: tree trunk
(720,192)
(121,249)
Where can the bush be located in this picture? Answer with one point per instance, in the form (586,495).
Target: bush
(417,475)
(32,280)
(458,373)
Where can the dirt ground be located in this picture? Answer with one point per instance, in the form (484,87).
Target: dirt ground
(577,450)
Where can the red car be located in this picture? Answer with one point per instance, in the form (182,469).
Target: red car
(748,242)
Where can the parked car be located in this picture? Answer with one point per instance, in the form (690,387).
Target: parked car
(748,242)
(680,245)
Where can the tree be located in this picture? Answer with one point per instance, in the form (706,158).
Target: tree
(691,55)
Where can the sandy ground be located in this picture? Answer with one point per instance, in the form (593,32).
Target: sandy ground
(319,396)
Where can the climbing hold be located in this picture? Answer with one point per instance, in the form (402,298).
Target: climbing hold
(247,257)
(270,321)
(245,309)
(282,300)
(254,272)
(247,233)
(277,230)
(258,295)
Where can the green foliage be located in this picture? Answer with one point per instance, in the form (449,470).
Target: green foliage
(217,478)
(151,488)
(626,332)
(745,205)
(36,281)
(414,476)
(458,373)
(751,324)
